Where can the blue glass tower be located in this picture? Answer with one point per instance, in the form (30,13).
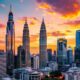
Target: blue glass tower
(70,55)
(49,52)
(78,38)
(61,52)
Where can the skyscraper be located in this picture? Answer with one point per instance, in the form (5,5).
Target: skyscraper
(77,48)
(10,42)
(61,52)
(49,52)
(21,57)
(43,59)
(77,56)
(26,44)
(54,56)
(69,55)
(78,38)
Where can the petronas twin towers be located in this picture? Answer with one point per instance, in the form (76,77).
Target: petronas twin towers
(10,44)
(43,58)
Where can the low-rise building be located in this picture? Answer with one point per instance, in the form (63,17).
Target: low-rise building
(26,74)
(2,64)
(53,66)
(73,74)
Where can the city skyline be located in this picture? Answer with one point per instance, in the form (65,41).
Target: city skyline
(34,12)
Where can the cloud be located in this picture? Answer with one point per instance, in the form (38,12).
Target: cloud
(33,38)
(2,41)
(64,7)
(32,20)
(73,23)
(68,31)
(21,1)
(57,34)
(2,5)
(2,25)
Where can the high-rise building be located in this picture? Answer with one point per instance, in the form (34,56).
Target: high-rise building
(77,56)
(10,43)
(78,38)
(32,61)
(61,52)
(15,61)
(69,55)
(49,52)
(21,57)
(26,44)
(54,58)
(43,46)
(36,62)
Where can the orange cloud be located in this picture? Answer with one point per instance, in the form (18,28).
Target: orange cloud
(33,38)
(2,25)
(32,21)
(73,23)
(67,8)
(56,34)
(68,31)
(44,6)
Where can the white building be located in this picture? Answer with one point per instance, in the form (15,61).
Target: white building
(73,74)
(2,64)
(36,62)
(53,66)
(26,74)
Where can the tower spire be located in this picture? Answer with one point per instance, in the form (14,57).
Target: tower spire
(10,8)
(26,20)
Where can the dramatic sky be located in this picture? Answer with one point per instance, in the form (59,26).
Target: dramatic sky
(62,19)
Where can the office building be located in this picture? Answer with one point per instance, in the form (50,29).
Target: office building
(73,74)
(26,74)
(21,57)
(78,38)
(77,56)
(69,56)
(43,59)
(61,52)
(10,43)
(26,44)
(49,52)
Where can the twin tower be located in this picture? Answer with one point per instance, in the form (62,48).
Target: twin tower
(10,44)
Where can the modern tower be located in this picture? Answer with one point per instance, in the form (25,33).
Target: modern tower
(10,43)
(61,52)
(78,38)
(26,44)
(43,59)
(49,52)
(77,56)
(21,57)
(77,48)
(70,55)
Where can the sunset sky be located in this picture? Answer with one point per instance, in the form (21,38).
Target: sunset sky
(62,19)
